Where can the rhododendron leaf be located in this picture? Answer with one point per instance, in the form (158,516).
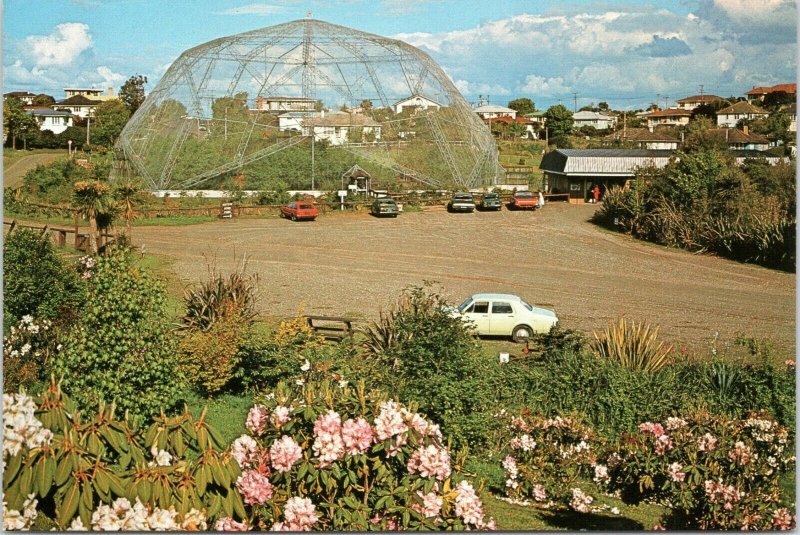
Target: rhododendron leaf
(69,504)
(115,485)
(200,479)
(26,481)
(11,469)
(227,503)
(214,505)
(220,476)
(238,504)
(176,440)
(215,436)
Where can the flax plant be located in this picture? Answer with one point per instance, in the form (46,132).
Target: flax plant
(633,346)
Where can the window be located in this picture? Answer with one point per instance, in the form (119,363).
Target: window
(502,308)
(481,307)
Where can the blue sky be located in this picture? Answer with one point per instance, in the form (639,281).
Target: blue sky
(623,52)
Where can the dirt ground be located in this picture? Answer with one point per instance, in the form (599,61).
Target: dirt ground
(356,265)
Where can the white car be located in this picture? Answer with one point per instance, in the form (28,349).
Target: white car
(506,315)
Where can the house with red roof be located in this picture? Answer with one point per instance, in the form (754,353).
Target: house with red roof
(758,93)
(668,117)
(690,103)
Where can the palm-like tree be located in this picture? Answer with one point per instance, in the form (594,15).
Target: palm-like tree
(125,195)
(91,198)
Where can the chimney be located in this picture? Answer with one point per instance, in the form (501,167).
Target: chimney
(746,130)
(110,91)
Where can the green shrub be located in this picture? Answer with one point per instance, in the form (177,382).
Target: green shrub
(209,358)
(220,296)
(635,347)
(36,281)
(121,348)
(26,350)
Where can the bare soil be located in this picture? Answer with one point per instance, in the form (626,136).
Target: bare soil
(356,265)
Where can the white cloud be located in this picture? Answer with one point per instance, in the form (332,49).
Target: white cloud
(109,76)
(253,9)
(547,87)
(62,46)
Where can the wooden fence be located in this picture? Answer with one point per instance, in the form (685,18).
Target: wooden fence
(58,234)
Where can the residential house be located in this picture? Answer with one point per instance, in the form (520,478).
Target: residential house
(592,118)
(78,105)
(643,138)
(538,117)
(293,120)
(93,94)
(529,125)
(26,97)
(741,139)
(758,93)
(576,171)
(791,111)
(415,102)
(50,119)
(690,103)
(731,115)
(339,128)
(283,104)
(492,111)
(668,117)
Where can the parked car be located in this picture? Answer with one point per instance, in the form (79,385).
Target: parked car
(506,315)
(300,210)
(461,202)
(384,206)
(524,200)
(490,201)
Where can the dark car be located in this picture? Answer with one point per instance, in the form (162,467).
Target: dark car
(384,206)
(300,210)
(490,201)
(461,202)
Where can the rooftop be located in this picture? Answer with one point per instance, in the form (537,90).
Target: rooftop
(741,108)
(670,112)
(763,90)
(47,112)
(609,162)
(489,108)
(591,116)
(342,119)
(734,135)
(700,98)
(78,100)
(641,134)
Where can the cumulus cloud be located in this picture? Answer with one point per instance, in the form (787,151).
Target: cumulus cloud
(546,87)
(252,9)
(109,76)
(62,46)
(661,47)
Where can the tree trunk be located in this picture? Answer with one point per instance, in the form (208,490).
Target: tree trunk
(92,232)
(128,230)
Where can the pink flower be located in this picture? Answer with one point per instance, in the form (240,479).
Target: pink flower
(539,493)
(580,501)
(255,487)
(674,423)
(245,450)
(229,524)
(659,527)
(719,493)
(281,416)
(601,474)
(740,453)
(675,472)
(649,427)
(330,423)
(468,505)
(782,519)
(423,426)
(257,419)
(357,436)
(284,453)
(707,443)
(663,444)
(431,505)
(430,461)
(389,421)
(300,512)
(328,444)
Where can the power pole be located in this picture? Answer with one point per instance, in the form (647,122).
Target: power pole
(88,125)
(574,102)
(701,90)
(666,99)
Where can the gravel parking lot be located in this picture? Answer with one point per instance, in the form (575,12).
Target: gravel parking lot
(356,264)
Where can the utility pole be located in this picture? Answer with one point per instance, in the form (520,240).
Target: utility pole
(88,125)
(666,98)
(574,102)
(658,99)
(701,90)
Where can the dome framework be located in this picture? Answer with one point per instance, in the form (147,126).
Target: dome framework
(282,97)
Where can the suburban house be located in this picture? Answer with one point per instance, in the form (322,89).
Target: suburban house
(293,120)
(758,93)
(645,139)
(339,128)
(741,139)
(492,111)
(282,104)
(26,97)
(50,119)
(791,111)
(530,132)
(538,117)
(594,119)
(690,103)
(78,105)
(94,94)
(415,102)
(576,171)
(741,110)
(668,117)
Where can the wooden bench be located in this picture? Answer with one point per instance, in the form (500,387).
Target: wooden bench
(331,327)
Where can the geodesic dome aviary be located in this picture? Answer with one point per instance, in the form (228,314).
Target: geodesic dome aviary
(302,102)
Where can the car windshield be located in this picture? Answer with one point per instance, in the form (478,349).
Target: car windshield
(465,304)
(526,305)
(305,206)
(524,194)
(463,197)
(386,201)
(490,195)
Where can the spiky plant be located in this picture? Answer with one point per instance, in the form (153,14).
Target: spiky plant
(221,296)
(631,345)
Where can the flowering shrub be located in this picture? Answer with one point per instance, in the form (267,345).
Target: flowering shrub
(545,457)
(59,471)
(334,458)
(26,351)
(715,473)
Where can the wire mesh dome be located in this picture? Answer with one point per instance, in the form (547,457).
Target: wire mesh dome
(298,104)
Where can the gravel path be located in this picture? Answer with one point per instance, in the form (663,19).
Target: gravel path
(355,264)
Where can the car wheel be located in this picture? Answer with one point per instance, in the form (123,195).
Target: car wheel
(521,333)
(294,217)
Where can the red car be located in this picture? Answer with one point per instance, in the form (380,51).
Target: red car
(300,210)
(524,199)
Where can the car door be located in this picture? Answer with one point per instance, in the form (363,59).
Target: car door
(478,313)
(501,318)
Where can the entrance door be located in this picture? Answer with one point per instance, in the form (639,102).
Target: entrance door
(479,314)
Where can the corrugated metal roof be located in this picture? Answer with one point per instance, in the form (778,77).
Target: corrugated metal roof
(602,161)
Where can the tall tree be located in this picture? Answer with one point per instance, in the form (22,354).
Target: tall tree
(16,121)
(126,196)
(92,199)
(559,121)
(522,105)
(109,120)
(43,100)
(132,92)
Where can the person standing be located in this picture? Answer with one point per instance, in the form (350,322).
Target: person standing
(540,202)
(596,193)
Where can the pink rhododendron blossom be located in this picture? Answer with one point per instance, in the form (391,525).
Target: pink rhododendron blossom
(649,427)
(389,421)
(707,443)
(674,423)
(430,461)
(663,444)
(357,436)
(254,487)
(431,505)
(601,474)
(717,492)
(330,423)
(257,420)
(245,450)
(328,444)
(510,466)
(539,493)
(229,524)
(394,447)
(284,453)
(580,501)
(659,527)
(740,453)
(469,506)
(301,513)
(281,416)
(675,472)
(782,519)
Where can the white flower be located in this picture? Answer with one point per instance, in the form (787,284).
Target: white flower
(305,367)
(25,349)
(615,510)
(342,383)
(300,382)
(162,457)
(27,318)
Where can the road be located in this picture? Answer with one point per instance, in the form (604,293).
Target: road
(12,175)
(355,264)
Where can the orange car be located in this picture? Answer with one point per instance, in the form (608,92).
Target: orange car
(299,210)
(524,200)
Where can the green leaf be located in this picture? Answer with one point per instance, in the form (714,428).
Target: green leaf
(12,468)
(66,509)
